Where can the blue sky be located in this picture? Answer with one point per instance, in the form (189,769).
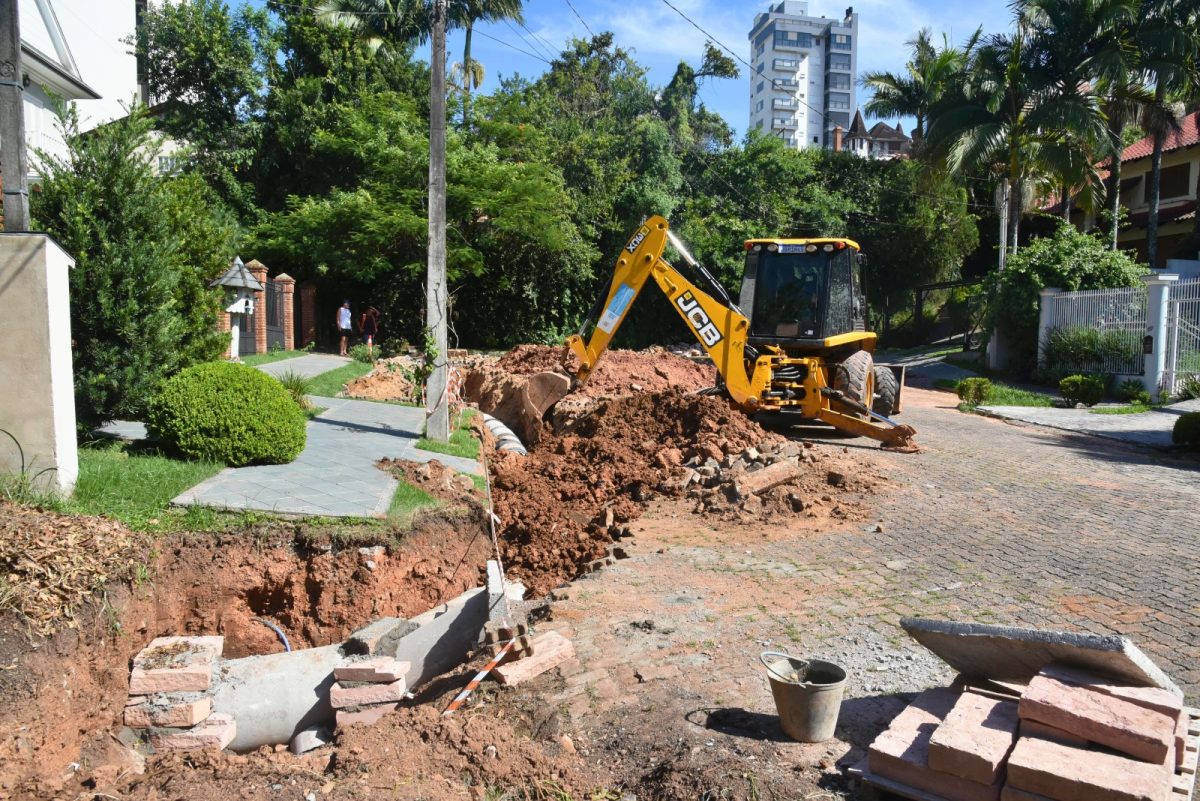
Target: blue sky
(659,37)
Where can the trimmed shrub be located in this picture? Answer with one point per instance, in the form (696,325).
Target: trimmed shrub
(1187,431)
(1132,391)
(361,353)
(1085,389)
(1189,388)
(1085,349)
(229,413)
(974,391)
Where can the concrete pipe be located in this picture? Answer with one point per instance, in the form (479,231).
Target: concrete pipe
(274,697)
(506,440)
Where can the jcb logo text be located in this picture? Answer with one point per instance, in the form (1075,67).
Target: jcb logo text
(698,318)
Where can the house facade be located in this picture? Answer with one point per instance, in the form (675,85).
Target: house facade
(802,82)
(1177,192)
(74,51)
(881,141)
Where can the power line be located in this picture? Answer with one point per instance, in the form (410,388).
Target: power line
(776,83)
(514,47)
(581,19)
(532,44)
(549,47)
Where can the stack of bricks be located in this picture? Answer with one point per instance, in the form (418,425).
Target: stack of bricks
(367,689)
(170,695)
(1071,736)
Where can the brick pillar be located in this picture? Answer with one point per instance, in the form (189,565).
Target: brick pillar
(259,271)
(288,285)
(308,314)
(223,325)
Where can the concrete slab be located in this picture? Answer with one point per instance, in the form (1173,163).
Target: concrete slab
(335,475)
(1149,429)
(309,365)
(1003,653)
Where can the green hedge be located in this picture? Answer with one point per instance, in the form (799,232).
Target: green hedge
(974,391)
(1084,389)
(1187,431)
(229,413)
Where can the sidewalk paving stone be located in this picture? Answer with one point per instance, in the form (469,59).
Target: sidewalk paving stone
(1151,428)
(310,365)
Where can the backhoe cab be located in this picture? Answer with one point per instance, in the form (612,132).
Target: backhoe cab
(802,348)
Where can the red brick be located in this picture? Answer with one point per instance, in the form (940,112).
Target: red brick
(363,716)
(174,665)
(341,696)
(1120,725)
(171,713)
(217,731)
(902,752)
(975,738)
(1154,698)
(1067,773)
(1031,728)
(379,669)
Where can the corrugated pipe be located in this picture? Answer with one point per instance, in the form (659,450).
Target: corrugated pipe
(506,440)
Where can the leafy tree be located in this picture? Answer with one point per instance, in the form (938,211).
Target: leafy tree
(205,64)
(1069,260)
(140,305)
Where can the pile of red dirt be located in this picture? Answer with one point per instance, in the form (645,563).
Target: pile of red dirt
(554,503)
(619,372)
(383,383)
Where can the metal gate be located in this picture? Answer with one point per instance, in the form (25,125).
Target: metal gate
(274,311)
(1183,343)
(246,344)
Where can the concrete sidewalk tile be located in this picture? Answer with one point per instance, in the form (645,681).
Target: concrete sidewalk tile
(175,664)
(342,695)
(217,731)
(167,711)
(975,738)
(1072,774)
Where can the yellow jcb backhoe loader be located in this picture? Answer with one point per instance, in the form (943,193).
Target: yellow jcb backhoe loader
(802,349)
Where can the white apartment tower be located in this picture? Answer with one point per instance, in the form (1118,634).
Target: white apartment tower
(802,76)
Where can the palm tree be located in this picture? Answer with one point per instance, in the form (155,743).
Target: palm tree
(1169,44)
(380,21)
(931,72)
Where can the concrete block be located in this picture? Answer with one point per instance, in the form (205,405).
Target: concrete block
(1010,793)
(549,651)
(901,753)
(342,696)
(1180,741)
(1154,698)
(1065,773)
(311,738)
(1031,728)
(377,637)
(175,664)
(167,711)
(363,716)
(975,738)
(1142,733)
(382,669)
(1013,654)
(218,731)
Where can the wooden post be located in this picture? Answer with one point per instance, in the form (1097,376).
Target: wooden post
(437,426)
(13,160)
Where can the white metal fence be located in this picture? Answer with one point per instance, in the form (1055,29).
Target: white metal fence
(1183,336)
(1096,331)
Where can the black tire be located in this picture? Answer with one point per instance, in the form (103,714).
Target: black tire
(887,388)
(855,378)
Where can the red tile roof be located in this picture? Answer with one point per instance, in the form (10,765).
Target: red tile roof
(1188,136)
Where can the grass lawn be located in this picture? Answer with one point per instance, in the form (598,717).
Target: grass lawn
(408,502)
(132,484)
(1133,408)
(255,359)
(463,441)
(329,384)
(1003,395)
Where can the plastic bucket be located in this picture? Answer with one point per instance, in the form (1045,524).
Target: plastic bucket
(808,695)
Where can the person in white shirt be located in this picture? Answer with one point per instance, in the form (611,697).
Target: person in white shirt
(344,329)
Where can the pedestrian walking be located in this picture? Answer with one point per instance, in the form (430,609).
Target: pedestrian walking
(344,329)
(369,326)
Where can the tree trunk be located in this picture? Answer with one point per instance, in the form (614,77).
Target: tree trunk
(1002,207)
(468,75)
(1155,185)
(1014,215)
(1066,201)
(1114,187)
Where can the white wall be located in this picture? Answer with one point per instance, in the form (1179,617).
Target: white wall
(94,30)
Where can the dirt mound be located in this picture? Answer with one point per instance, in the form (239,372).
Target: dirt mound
(555,504)
(385,382)
(619,372)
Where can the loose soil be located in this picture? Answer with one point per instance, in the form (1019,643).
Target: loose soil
(612,451)
(619,372)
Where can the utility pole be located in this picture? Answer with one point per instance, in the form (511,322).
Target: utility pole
(13,164)
(437,426)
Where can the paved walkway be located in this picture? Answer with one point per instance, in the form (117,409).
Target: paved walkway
(335,476)
(1152,428)
(309,365)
